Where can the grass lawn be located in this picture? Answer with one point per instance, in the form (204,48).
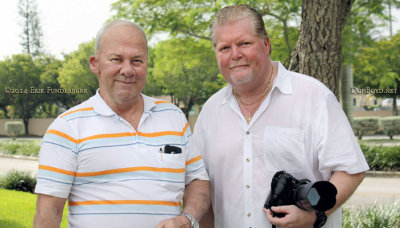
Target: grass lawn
(18,208)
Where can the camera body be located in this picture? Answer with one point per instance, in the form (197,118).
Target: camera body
(307,195)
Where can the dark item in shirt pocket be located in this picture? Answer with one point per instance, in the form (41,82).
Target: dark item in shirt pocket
(172,150)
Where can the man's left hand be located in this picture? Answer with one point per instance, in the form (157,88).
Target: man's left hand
(294,218)
(176,222)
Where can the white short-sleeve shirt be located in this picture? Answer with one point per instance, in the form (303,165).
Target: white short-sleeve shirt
(113,175)
(300,127)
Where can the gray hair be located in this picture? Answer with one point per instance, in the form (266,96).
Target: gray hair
(234,13)
(114,24)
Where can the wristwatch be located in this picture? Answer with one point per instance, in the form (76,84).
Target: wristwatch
(321,219)
(193,222)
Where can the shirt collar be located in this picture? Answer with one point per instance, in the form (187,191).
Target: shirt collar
(283,81)
(102,108)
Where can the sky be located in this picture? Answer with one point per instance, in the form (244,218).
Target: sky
(65,24)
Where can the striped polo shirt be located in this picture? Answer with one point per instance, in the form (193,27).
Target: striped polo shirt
(113,175)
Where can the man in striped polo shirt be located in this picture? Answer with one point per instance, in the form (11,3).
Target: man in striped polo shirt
(120,158)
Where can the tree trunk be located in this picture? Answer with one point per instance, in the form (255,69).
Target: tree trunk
(346,95)
(26,125)
(318,51)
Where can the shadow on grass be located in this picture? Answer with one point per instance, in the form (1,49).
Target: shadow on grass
(5,223)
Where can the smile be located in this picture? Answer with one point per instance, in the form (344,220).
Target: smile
(238,66)
(125,82)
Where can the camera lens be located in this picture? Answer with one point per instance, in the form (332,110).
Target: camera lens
(313,197)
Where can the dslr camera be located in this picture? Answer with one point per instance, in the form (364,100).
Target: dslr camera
(307,195)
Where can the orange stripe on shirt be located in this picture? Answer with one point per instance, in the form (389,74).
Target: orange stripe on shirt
(104,136)
(115,135)
(165,133)
(61,134)
(130,169)
(108,202)
(77,110)
(57,170)
(193,160)
(111,171)
(162,102)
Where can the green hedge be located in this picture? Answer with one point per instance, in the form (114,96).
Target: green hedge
(372,125)
(20,147)
(382,158)
(365,126)
(390,125)
(14,128)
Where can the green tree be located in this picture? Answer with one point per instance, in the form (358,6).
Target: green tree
(5,98)
(378,67)
(75,72)
(55,102)
(21,79)
(187,70)
(193,17)
(32,31)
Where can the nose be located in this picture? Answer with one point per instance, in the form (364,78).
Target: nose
(127,69)
(236,53)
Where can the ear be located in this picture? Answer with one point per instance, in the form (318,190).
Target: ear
(267,44)
(94,65)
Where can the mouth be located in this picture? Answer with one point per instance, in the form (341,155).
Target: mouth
(238,66)
(125,82)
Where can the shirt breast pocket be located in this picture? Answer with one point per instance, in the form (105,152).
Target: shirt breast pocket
(284,149)
(173,170)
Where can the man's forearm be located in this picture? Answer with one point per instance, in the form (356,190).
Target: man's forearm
(208,219)
(49,211)
(197,198)
(346,184)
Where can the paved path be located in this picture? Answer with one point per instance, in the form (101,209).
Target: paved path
(376,190)
(372,189)
(7,164)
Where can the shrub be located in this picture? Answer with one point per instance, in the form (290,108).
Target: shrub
(14,128)
(19,180)
(20,147)
(385,158)
(390,125)
(365,126)
(384,215)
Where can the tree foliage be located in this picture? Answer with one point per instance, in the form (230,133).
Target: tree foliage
(55,102)
(75,72)
(32,31)
(378,67)
(20,78)
(185,68)
(363,25)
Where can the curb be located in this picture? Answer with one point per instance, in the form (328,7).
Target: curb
(19,157)
(383,174)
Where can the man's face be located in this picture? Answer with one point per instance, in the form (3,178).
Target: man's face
(121,65)
(240,53)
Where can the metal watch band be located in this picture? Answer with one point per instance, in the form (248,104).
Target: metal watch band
(191,218)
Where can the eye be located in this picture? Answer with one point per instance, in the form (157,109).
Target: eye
(115,59)
(246,43)
(223,48)
(137,61)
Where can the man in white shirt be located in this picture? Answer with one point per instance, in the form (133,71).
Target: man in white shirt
(265,120)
